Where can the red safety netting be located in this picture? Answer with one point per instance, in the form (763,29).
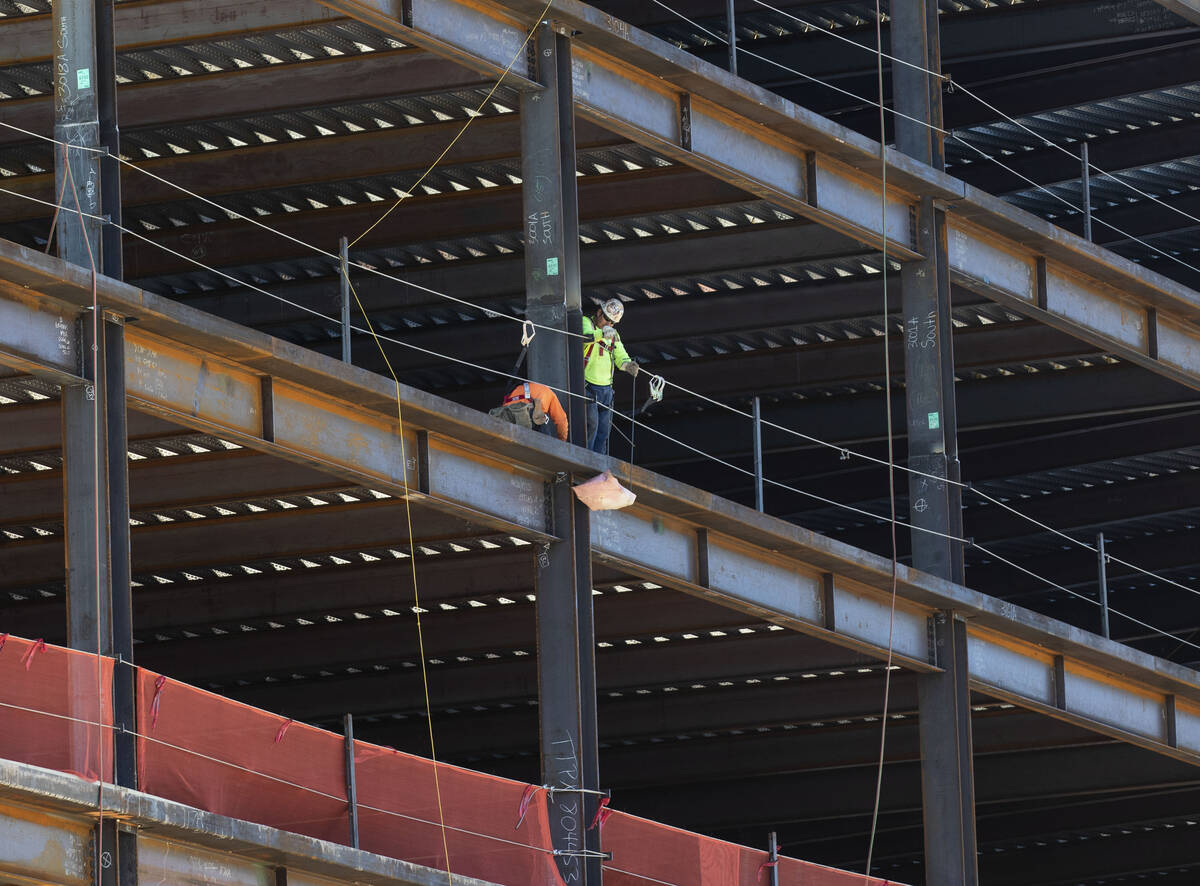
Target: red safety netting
(58,708)
(646,852)
(398,816)
(216,754)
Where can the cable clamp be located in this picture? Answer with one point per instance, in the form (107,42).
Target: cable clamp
(607,793)
(582,853)
(528,331)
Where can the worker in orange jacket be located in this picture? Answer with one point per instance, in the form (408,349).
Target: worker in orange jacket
(542,404)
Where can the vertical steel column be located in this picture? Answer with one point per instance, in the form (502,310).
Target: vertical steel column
(572,284)
(566,637)
(117,461)
(85,473)
(731,26)
(758,462)
(344,289)
(117,853)
(580,538)
(542,192)
(351,778)
(1102,566)
(1086,181)
(947,778)
(94,445)
(86,498)
(110,138)
(76,122)
(944,700)
(773,857)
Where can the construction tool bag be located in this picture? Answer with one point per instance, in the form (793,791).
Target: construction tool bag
(526,413)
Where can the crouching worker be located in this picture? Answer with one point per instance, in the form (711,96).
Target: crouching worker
(532,405)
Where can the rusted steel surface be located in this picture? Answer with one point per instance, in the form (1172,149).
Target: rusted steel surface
(200,371)
(46,834)
(701,115)
(154,22)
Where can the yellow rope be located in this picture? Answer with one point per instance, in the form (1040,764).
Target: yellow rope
(412,559)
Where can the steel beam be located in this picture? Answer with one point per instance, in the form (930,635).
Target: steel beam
(812,749)
(239,93)
(1187,9)
(974,44)
(663,97)
(497,282)
(984,404)
(765,371)
(227,541)
(36,427)
(381,639)
(618,669)
(168,483)
(48,814)
(29,38)
(1003,777)
(206,373)
(445,216)
(294,164)
(333,590)
(662,717)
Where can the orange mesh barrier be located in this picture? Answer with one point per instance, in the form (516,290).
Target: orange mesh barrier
(646,852)
(481,813)
(216,754)
(59,687)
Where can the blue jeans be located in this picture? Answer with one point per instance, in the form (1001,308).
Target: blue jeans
(599,416)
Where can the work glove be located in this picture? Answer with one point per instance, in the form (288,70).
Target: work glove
(609,332)
(631,367)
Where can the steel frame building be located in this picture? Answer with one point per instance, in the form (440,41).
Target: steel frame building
(718,651)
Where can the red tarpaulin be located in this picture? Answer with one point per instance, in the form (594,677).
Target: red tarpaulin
(58,710)
(207,751)
(481,813)
(223,756)
(648,852)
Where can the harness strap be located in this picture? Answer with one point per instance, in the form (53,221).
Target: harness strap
(518,398)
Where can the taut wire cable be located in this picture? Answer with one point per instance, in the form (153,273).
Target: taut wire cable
(891,454)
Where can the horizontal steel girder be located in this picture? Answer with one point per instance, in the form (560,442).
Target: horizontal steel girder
(377,76)
(667,99)
(441,217)
(295,164)
(207,373)
(141,25)
(48,817)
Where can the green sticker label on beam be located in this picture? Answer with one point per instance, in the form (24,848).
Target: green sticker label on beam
(552,267)
(935,421)
(83,78)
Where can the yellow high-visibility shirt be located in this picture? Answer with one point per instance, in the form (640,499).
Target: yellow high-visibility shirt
(601,356)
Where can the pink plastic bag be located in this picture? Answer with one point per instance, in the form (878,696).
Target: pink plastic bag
(604,493)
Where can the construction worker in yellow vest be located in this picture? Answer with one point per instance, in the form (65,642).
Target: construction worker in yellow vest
(601,353)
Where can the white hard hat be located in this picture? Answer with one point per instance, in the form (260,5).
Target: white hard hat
(613,309)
